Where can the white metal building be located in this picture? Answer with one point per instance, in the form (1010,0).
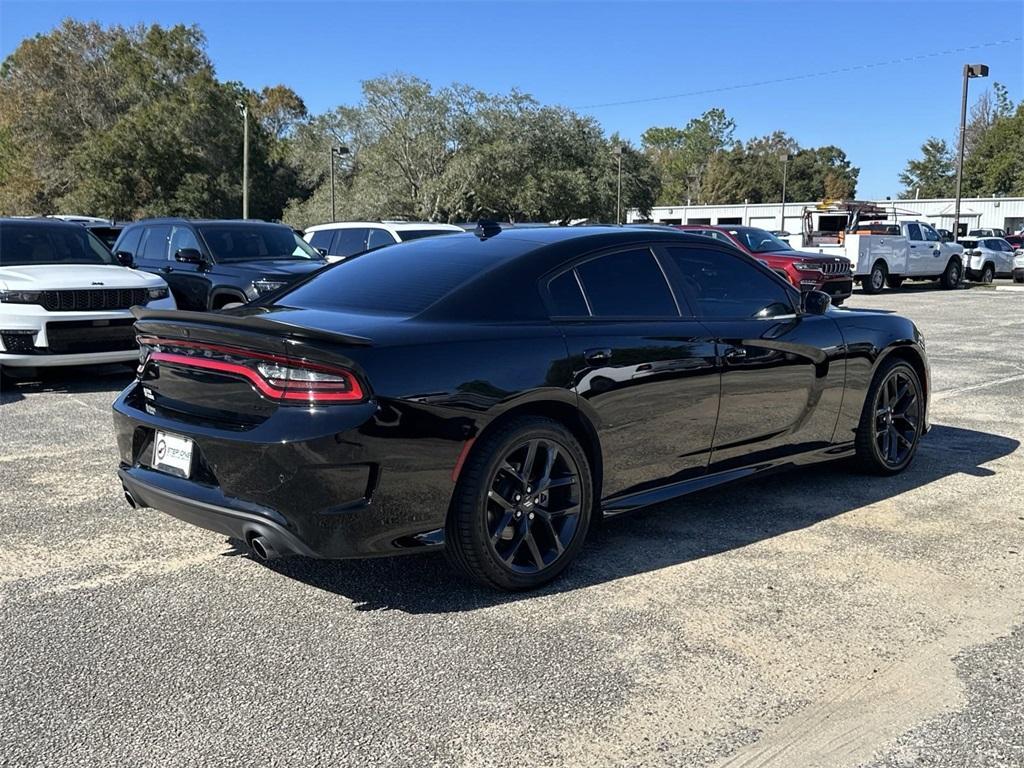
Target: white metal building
(1003,212)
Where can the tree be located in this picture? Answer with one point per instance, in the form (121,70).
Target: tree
(933,174)
(682,156)
(129,122)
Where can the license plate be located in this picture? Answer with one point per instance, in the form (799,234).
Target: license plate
(172,454)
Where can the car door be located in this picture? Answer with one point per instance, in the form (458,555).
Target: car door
(919,252)
(378,238)
(933,263)
(643,369)
(348,242)
(782,372)
(191,281)
(152,253)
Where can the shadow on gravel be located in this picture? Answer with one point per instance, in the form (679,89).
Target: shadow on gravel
(87,378)
(701,525)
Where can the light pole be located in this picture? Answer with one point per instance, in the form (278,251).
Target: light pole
(970,71)
(784,157)
(335,152)
(618,152)
(244,109)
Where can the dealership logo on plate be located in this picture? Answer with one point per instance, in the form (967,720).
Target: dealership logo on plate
(161,449)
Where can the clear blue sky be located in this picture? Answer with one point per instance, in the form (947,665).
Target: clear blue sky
(579,54)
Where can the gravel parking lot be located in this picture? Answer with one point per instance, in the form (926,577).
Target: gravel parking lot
(821,619)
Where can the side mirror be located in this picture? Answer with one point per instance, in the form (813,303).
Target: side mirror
(815,302)
(322,252)
(189,256)
(125,258)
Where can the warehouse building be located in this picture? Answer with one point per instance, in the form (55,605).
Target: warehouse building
(1005,213)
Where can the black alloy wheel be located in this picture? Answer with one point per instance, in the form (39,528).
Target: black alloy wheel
(892,420)
(522,505)
(533,505)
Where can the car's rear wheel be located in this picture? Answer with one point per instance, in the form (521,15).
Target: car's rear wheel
(892,419)
(875,281)
(988,274)
(951,276)
(522,506)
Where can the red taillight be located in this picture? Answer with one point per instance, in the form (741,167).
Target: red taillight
(275,377)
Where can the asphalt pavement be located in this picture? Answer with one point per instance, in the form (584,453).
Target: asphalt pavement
(818,618)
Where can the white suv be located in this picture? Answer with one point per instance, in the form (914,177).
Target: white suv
(987,258)
(64,299)
(342,239)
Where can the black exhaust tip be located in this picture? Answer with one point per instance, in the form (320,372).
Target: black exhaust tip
(130,499)
(263,548)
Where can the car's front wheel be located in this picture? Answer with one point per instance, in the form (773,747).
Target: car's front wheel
(891,420)
(522,505)
(951,276)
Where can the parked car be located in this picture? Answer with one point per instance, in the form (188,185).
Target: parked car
(990,232)
(493,394)
(889,254)
(64,300)
(211,263)
(1018,266)
(946,235)
(344,239)
(1017,241)
(987,258)
(805,271)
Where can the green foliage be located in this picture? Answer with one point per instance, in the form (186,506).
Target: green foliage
(682,156)
(933,174)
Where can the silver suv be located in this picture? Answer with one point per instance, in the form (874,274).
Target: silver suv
(987,258)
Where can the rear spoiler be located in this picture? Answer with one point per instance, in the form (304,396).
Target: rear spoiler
(248,323)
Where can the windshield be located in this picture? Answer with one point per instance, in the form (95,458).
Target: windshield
(24,243)
(759,240)
(233,242)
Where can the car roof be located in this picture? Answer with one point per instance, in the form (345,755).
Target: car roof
(220,222)
(397,226)
(37,221)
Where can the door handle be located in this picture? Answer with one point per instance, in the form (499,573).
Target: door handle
(597,356)
(735,353)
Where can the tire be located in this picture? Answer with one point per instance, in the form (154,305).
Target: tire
(875,280)
(838,302)
(893,281)
(1018,278)
(951,276)
(503,530)
(902,416)
(988,274)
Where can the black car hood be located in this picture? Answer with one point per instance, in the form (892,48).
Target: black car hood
(286,268)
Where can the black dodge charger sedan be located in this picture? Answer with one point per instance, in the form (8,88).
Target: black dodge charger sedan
(493,393)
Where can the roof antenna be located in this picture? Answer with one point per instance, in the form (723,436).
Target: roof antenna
(486,228)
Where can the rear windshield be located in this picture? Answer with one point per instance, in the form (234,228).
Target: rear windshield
(416,234)
(40,243)
(403,279)
(235,242)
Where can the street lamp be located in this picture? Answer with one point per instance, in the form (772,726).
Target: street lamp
(784,157)
(336,152)
(244,109)
(970,71)
(618,151)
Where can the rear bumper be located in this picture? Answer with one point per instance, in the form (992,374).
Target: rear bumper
(327,484)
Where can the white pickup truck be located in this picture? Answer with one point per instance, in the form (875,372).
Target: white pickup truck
(916,253)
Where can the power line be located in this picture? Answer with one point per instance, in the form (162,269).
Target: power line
(807,76)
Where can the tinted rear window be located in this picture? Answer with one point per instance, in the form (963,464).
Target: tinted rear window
(403,279)
(626,284)
(416,234)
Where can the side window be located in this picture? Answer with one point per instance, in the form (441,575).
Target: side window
(626,284)
(379,238)
(720,285)
(913,231)
(183,237)
(321,239)
(129,241)
(348,242)
(566,295)
(155,246)
(930,234)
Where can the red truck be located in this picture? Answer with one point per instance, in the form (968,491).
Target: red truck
(805,271)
